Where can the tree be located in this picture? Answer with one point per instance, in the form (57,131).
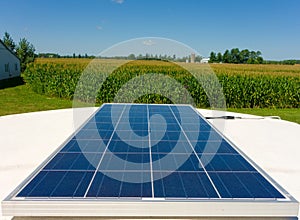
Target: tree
(235,55)
(131,56)
(244,55)
(259,59)
(198,58)
(9,42)
(255,57)
(212,57)
(258,53)
(219,58)
(252,55)
(25,51)
(226,57)
(140,56)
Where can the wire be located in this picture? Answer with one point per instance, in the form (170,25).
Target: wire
(224,117)
(230,117)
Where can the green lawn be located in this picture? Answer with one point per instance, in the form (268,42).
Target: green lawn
(21,99)
(289,114)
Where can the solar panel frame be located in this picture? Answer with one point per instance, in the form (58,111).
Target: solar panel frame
(284,207)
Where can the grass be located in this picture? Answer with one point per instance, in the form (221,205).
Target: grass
(21,99)
(289,114)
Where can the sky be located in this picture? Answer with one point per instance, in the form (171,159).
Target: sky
(91,26)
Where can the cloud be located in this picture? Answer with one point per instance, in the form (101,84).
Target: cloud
(148,42)
(99,27)
(118,1)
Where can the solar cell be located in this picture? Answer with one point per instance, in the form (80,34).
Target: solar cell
(147,151)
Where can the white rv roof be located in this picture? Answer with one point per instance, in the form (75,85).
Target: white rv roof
(272,144)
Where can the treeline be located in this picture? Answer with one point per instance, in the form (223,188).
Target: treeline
(129,57)
(55,55)
(237,56)
(148,56)
(283,62)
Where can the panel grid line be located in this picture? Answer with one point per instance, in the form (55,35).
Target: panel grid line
(150,152)
(215,188)
(90,184)
(121,185)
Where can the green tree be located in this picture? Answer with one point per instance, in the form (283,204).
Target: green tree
(235,55)
(244,55)
(212,57)
(131,56)
(219,58)
(255,58)
(260,60)
(9,42)
(252,55)
(258,53)
(198,58)
(250,61)
(226,57)
(25,51)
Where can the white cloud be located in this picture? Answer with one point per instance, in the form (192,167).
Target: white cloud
(118,1)
(99,27)
(148,42)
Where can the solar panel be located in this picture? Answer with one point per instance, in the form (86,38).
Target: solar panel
(142,152)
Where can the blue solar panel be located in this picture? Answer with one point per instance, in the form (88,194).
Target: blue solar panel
(148,151)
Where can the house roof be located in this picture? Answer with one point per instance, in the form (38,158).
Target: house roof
(1,42)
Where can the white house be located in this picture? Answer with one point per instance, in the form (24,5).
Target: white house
(204,60)
(9,63)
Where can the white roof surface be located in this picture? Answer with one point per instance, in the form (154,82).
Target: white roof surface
(28,139)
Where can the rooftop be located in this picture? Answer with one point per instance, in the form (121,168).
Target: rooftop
(264,145)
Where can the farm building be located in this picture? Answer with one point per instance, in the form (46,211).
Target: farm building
(9,63)
(204,60)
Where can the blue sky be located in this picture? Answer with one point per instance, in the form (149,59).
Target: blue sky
(90,26)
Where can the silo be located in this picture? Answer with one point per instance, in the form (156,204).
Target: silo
(193,58)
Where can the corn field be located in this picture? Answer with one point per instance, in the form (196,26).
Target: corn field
(244,86)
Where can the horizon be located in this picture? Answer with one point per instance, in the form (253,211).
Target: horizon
(82,27)
(143,56)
